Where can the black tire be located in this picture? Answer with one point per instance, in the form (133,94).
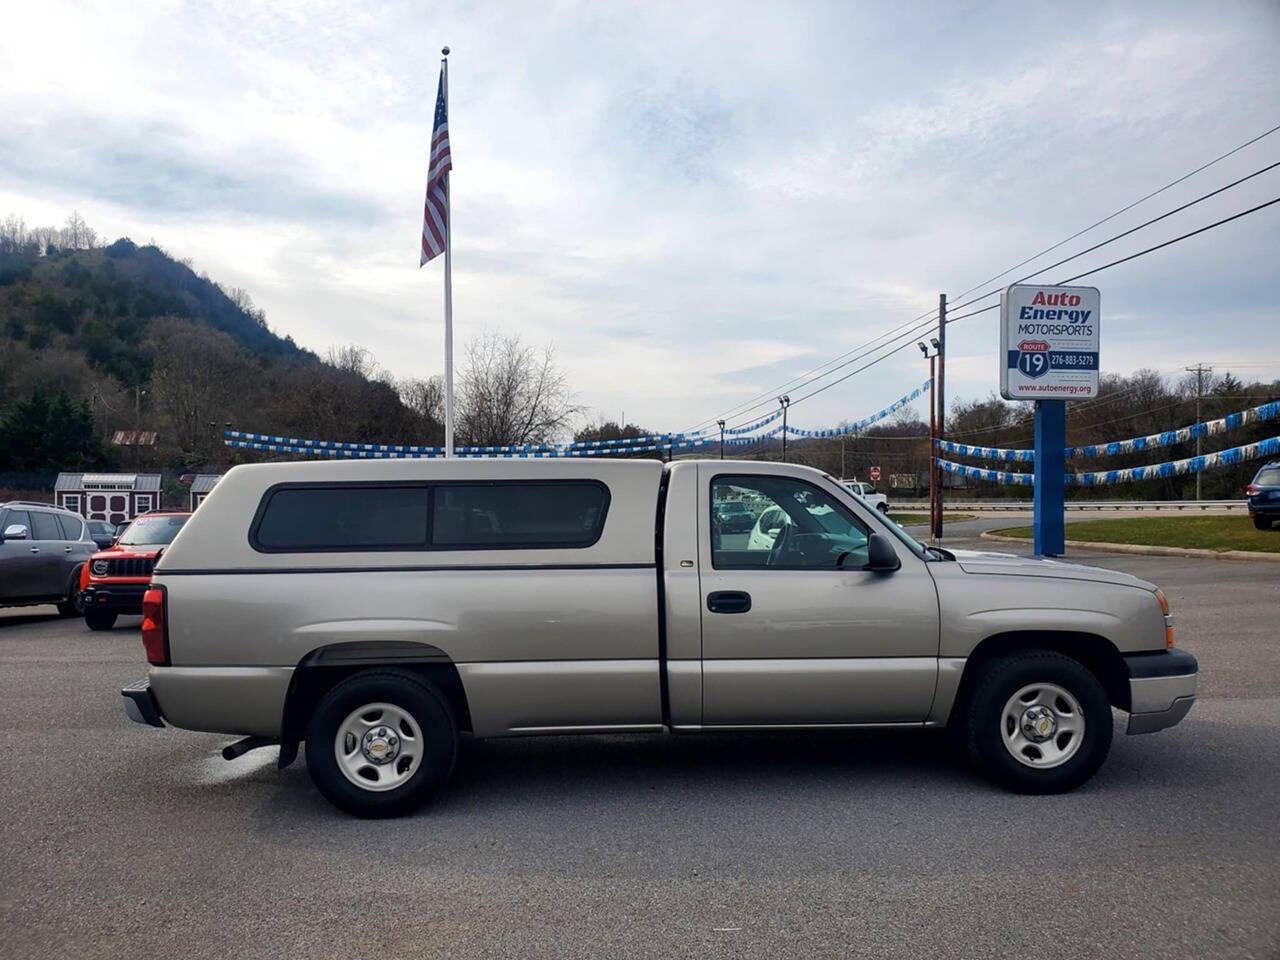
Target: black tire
(1262,523)
(427,706)
(983,727)
(883,508)
(73,606)
(99,619)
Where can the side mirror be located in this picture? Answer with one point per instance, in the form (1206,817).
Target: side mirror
(880,554)
(15,531)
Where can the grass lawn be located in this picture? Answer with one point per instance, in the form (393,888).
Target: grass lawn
(1209,533)
(916,519)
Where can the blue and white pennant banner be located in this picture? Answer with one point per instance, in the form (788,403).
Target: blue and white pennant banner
(1173,468)
(661,441)
(751,427)
(1167,438)
(1267,411)
(863,424)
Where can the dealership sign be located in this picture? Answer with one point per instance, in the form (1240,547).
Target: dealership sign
(1049,342)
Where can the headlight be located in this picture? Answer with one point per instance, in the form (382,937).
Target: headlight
(99,568)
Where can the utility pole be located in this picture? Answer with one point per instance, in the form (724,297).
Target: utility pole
(842,473)
(1199,370)
(941,400)
(933,427)
(786,402)
(721,422)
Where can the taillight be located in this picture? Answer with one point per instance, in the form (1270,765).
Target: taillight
(155,627)
(1252,488)
(1168,619)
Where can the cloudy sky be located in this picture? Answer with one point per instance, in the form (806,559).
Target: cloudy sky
(693,202)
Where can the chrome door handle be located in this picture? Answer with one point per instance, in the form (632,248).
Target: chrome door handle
(66,549)
(35,549)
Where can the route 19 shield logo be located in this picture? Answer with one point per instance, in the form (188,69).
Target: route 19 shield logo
(1033,358)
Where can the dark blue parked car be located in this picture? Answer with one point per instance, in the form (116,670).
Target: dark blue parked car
(1264,496)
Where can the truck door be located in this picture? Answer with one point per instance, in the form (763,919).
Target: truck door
(793,632)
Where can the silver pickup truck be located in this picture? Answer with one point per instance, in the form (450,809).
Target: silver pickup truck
(380,610)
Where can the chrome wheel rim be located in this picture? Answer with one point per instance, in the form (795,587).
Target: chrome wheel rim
(1042,725)
(378,746)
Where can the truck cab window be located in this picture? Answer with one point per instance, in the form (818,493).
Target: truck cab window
(793,526)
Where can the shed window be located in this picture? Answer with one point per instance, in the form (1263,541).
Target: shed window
(345,517)
(519,514)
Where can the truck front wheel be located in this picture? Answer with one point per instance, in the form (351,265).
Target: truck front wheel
(1037,722)
(381,743)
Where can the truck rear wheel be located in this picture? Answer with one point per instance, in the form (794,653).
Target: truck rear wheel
(1261,523)
(1038,722)
(381,743)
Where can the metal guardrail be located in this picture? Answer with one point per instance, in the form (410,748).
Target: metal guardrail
(979,506)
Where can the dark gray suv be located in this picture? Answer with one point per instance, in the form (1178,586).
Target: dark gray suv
(42,549)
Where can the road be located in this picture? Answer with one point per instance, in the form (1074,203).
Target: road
(120,840)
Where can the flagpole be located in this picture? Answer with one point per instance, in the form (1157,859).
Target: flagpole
(448,284)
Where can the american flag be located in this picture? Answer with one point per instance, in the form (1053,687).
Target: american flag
(435,212)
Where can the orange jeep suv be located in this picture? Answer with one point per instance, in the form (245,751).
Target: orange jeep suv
(113,581)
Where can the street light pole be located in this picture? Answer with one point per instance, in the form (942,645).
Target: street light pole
(941,400)
(786,402)
(721,422)
(933,432)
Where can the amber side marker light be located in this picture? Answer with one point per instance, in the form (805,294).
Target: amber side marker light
(1168,619)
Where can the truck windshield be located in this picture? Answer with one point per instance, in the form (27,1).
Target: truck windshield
(151,530)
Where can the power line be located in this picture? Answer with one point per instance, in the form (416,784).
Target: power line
(1107,266)
(1123,209)
(1120,236)
(766,397)
(769,394)
(910,334)
(1161,246)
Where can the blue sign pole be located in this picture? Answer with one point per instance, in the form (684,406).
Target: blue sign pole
(1050,475)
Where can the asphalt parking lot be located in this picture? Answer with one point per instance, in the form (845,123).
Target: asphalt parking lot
(121,840)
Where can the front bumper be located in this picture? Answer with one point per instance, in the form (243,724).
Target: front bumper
(140,703)
(122,598)
(1162,689)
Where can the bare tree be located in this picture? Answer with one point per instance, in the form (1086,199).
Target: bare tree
(353,358)
(194,379)
(240,297)
(14,235)
(78,235)
(424,397)
(45,237)
(509,394)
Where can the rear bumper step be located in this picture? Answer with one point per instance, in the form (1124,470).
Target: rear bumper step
(140,703)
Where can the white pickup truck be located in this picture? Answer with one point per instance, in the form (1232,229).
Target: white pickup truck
(868,493)
(380,610)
